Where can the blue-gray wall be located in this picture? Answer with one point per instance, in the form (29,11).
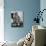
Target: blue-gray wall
(29,7)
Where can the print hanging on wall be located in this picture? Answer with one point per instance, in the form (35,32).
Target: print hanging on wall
(17,18)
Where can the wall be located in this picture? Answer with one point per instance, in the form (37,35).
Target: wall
(29,7)
(1,24)
(1,20)
(43,6)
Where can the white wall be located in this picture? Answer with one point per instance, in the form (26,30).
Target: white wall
(1,20)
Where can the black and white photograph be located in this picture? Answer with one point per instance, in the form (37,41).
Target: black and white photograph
(17,18)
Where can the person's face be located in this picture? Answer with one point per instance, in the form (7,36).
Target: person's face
(15,18)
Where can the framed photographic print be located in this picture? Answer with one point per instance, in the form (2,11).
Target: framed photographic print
(17,18)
